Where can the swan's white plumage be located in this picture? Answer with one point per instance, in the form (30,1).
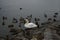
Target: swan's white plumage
(30,25)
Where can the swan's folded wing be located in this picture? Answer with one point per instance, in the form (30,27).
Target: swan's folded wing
(30,25)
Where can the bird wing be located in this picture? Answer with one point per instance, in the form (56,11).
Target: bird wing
(30,25)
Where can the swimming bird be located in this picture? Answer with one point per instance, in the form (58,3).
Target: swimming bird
(20,8)
(4,18)
(3,23)
(9,26)
(56,13)
(29,25)
(14,20)
(45,15)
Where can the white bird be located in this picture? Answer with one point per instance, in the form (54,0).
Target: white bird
(29,25)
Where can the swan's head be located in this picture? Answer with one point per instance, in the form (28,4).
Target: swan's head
(26,21)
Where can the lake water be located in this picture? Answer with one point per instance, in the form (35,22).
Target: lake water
(37,8)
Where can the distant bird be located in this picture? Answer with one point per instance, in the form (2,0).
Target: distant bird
(35,19)
(4,18)
(31,15)
(13,30)
(45,15)
(56,13)
(19,24)
(37,24)
(21,20)
(49,19)
(10,26)
(42,23)
(14,20)
(55,16)
(29,25)
(3,23)
(38,19)
(20,8)
(54,20)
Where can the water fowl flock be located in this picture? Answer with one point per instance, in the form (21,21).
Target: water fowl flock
(33,30)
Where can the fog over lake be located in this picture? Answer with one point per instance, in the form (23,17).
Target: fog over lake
(11,8)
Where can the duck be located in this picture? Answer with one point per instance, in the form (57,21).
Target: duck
(4,18)
(45,15)
(29,24)
(20,8)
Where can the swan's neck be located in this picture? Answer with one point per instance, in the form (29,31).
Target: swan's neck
(27,21)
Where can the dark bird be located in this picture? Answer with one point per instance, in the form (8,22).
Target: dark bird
(56,13)
(21,20)
(31,15)
(13,30)
(10,26)
(7,37)
(20,8)
(19,24)
(49,19)
(55,16)
(4,18)
(37,24)
(38,19)
(42,23)
(45,15)
(35,19)
(3,23)
(14,20)
(54,20)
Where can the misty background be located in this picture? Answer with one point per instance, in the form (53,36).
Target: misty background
(11,8)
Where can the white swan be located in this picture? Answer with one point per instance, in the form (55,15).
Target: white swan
(29,25)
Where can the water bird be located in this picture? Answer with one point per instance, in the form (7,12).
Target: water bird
(56,13)
(54,20)
(42,23)
(4,18)
(49,19)
(19,25)
(14,20)
(29,25)
(13,30)
(21,20)
(20,8)
(31,15)
(37,24)
(3,23)
(36,19)
(45,15)
(54,16)
(11,25)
